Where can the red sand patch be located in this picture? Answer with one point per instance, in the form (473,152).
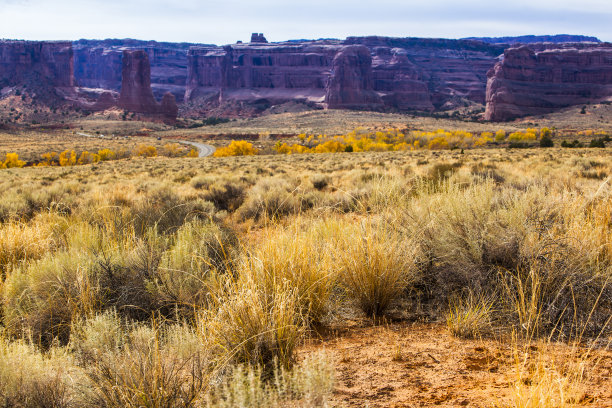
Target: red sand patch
(422,365)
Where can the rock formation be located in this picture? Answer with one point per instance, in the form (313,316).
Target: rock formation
(530,82)
(258,38)
(38,65)
(264,74)
(405,73)
(350,84)
(136,94)
(398,81)
(381,73)
(449,69)
(97,64)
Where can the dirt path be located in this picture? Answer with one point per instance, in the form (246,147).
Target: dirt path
(423,365)
(204,150)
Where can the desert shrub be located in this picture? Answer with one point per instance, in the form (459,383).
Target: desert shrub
(464,233)
(270,197)
(299,259)
(470,316)
(600,143)
(189,268)
(226,195)
(202,182)
(320,181)
(41,300)
(165,210)
(21,242)
(253,327)
(441,171)
(538,241)
(13,206)
(572,144)
(309,384)
(546,141)
(132,365)
(31,379)
(378,265)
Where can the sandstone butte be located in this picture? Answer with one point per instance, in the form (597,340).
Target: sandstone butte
(374,73)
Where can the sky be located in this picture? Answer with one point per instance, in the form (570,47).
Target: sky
(227,21)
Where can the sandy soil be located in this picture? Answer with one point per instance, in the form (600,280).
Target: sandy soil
(422,365)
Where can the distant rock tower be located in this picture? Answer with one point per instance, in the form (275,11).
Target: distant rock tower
(258,38)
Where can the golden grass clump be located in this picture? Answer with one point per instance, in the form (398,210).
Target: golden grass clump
(378,265)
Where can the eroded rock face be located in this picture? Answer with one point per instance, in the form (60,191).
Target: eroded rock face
(405,73)
(260,74)
(97,64)
(539,79)
(37,64)
(136,94)
(350,85)
(448,69)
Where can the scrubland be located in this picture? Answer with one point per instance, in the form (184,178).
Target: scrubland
(447,278)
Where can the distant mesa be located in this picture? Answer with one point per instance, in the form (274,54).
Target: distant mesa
(531,39)
(512,76)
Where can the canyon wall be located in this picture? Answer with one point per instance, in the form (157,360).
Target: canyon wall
(97,64)
(404,73)
(36,64)
(373,73)
(541,78)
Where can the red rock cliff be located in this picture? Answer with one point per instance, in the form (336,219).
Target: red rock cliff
(350,85)
(530,82)
(36,63)
(136,94)
(97,64)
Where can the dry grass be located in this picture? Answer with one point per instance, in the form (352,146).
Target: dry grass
(167,282)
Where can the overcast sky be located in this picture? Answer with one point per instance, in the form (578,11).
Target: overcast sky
(226,21)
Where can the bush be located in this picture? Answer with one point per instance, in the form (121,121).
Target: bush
(600,143)
(253,327)
(378,265)
(270,197)
(236,148)
(546,141)
(135,365)
(470,316)
(189,269)
(12,160)
(226,195)
(30,379)
(298,259)
(309,384)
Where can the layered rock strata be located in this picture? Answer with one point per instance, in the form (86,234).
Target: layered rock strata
(533,80)
(36,64)
(97,64)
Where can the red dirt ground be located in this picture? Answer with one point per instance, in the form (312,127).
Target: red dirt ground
(423,365)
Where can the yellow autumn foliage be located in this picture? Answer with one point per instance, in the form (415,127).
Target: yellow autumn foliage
(236,148)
